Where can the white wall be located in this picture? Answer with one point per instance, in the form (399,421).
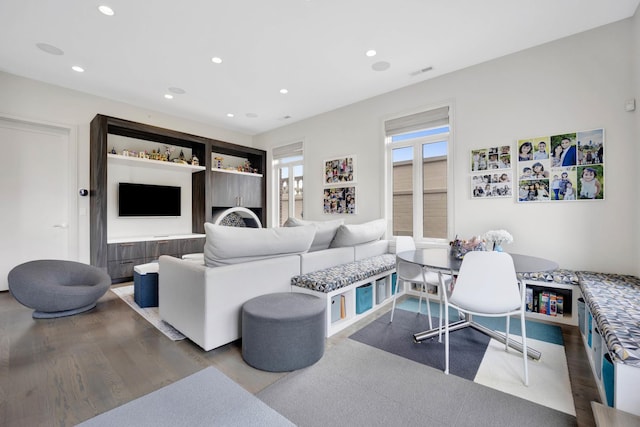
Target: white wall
(577,83)
(636,94)
(40,102)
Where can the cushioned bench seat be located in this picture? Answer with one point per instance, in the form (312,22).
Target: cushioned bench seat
(339,276)
(613,300)
(563,276)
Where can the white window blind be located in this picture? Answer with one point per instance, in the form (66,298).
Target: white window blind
(418,121)
(289,150)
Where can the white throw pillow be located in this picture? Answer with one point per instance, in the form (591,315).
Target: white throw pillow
(325,231)
(234,245)
(356,234)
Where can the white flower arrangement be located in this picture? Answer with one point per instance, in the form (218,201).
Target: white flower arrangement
(498,237)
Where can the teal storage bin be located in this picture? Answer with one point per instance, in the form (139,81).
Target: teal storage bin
(608,378)
(581,322)
(394,279)
(590,331)
(364,298)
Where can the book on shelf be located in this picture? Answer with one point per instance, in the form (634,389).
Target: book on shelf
(544,302)
(552,304)
(529,299)
(559,305)
(343,308)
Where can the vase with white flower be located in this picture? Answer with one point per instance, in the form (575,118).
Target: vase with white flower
(498,238)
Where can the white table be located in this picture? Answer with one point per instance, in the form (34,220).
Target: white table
(440,260)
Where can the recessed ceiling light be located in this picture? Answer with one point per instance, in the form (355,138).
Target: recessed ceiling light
(177,90)
(216,60)
(371,53)
(77,69)
(49,49)
(284,91)
(106,10)
(381,66)
(230,115)
(168,96)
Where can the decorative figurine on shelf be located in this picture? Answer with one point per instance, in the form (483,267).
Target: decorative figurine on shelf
(218,163)
(195,161)
(247,166)
(167,153)
(181,155)
(113,150)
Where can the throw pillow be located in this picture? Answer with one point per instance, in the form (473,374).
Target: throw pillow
(234,245)
(357,234)
(325,231)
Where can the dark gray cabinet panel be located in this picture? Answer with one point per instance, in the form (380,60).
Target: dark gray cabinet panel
(155,248)
(125,251)
(191,246)
(229,190)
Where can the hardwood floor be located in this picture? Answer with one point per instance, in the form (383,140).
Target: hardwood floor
(60,372)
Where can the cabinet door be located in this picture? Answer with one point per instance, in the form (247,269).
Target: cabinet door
(191,246)
(156,248)
(250,191)
(125,251)
(224,190)
(123,270)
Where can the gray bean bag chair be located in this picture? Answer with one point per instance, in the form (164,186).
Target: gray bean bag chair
(57,288)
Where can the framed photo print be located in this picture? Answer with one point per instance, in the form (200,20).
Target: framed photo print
(340,171)
(562,167)
(492,158)
(340,200)
(492,185)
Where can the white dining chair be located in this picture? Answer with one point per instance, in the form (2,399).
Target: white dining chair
(487,286)
(413,273)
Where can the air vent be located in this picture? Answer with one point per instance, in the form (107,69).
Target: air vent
(420,71)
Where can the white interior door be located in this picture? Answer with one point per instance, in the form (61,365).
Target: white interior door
(36,175)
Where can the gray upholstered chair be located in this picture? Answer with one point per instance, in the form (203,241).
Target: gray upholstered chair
(57,288)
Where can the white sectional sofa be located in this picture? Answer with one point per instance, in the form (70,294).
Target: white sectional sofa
(204,300)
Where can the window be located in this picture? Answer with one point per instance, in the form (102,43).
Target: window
(417,152)
(288,167)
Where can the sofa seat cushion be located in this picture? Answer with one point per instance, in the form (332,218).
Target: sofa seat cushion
(235,245)
(325,231)
(613,301)
(342,275)
(566,277)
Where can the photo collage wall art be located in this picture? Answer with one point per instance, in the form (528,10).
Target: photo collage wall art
(339,176)
(563,167)
(492,175)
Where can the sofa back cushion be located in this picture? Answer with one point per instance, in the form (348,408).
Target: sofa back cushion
(325,231)
(357,234)
(234,245)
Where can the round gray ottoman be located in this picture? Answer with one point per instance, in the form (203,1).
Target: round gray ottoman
(283,331)
(57,288)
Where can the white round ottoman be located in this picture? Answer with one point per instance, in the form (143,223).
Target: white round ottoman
(283,331)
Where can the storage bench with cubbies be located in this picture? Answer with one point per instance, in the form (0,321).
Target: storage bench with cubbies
(352,290)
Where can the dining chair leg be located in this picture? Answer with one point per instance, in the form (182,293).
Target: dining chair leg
(446,340)
(524,348)
(506,343)
(426,301)
(395,295)
(440,315)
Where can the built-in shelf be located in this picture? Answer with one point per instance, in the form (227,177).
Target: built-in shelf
(118,159)
(236,172)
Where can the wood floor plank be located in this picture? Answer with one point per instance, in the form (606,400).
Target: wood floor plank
(59,372)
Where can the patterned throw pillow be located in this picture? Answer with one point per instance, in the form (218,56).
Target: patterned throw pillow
(232,220)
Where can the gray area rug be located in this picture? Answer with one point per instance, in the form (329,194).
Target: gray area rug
(358,385)
(206,398)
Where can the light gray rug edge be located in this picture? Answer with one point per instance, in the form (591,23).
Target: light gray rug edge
(366,386)
(207,397)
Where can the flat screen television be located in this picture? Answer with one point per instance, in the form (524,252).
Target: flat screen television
(145,200)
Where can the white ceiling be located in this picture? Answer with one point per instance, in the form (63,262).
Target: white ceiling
(314,48)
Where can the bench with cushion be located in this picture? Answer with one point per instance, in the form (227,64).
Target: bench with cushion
(343,279)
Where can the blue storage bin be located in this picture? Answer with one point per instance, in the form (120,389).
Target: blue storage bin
(608,378)
(145,284)
(394,279)
(581,322)
(590,331)
(364,298)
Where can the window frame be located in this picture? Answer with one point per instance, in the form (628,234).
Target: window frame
(290,163)
(417,177)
